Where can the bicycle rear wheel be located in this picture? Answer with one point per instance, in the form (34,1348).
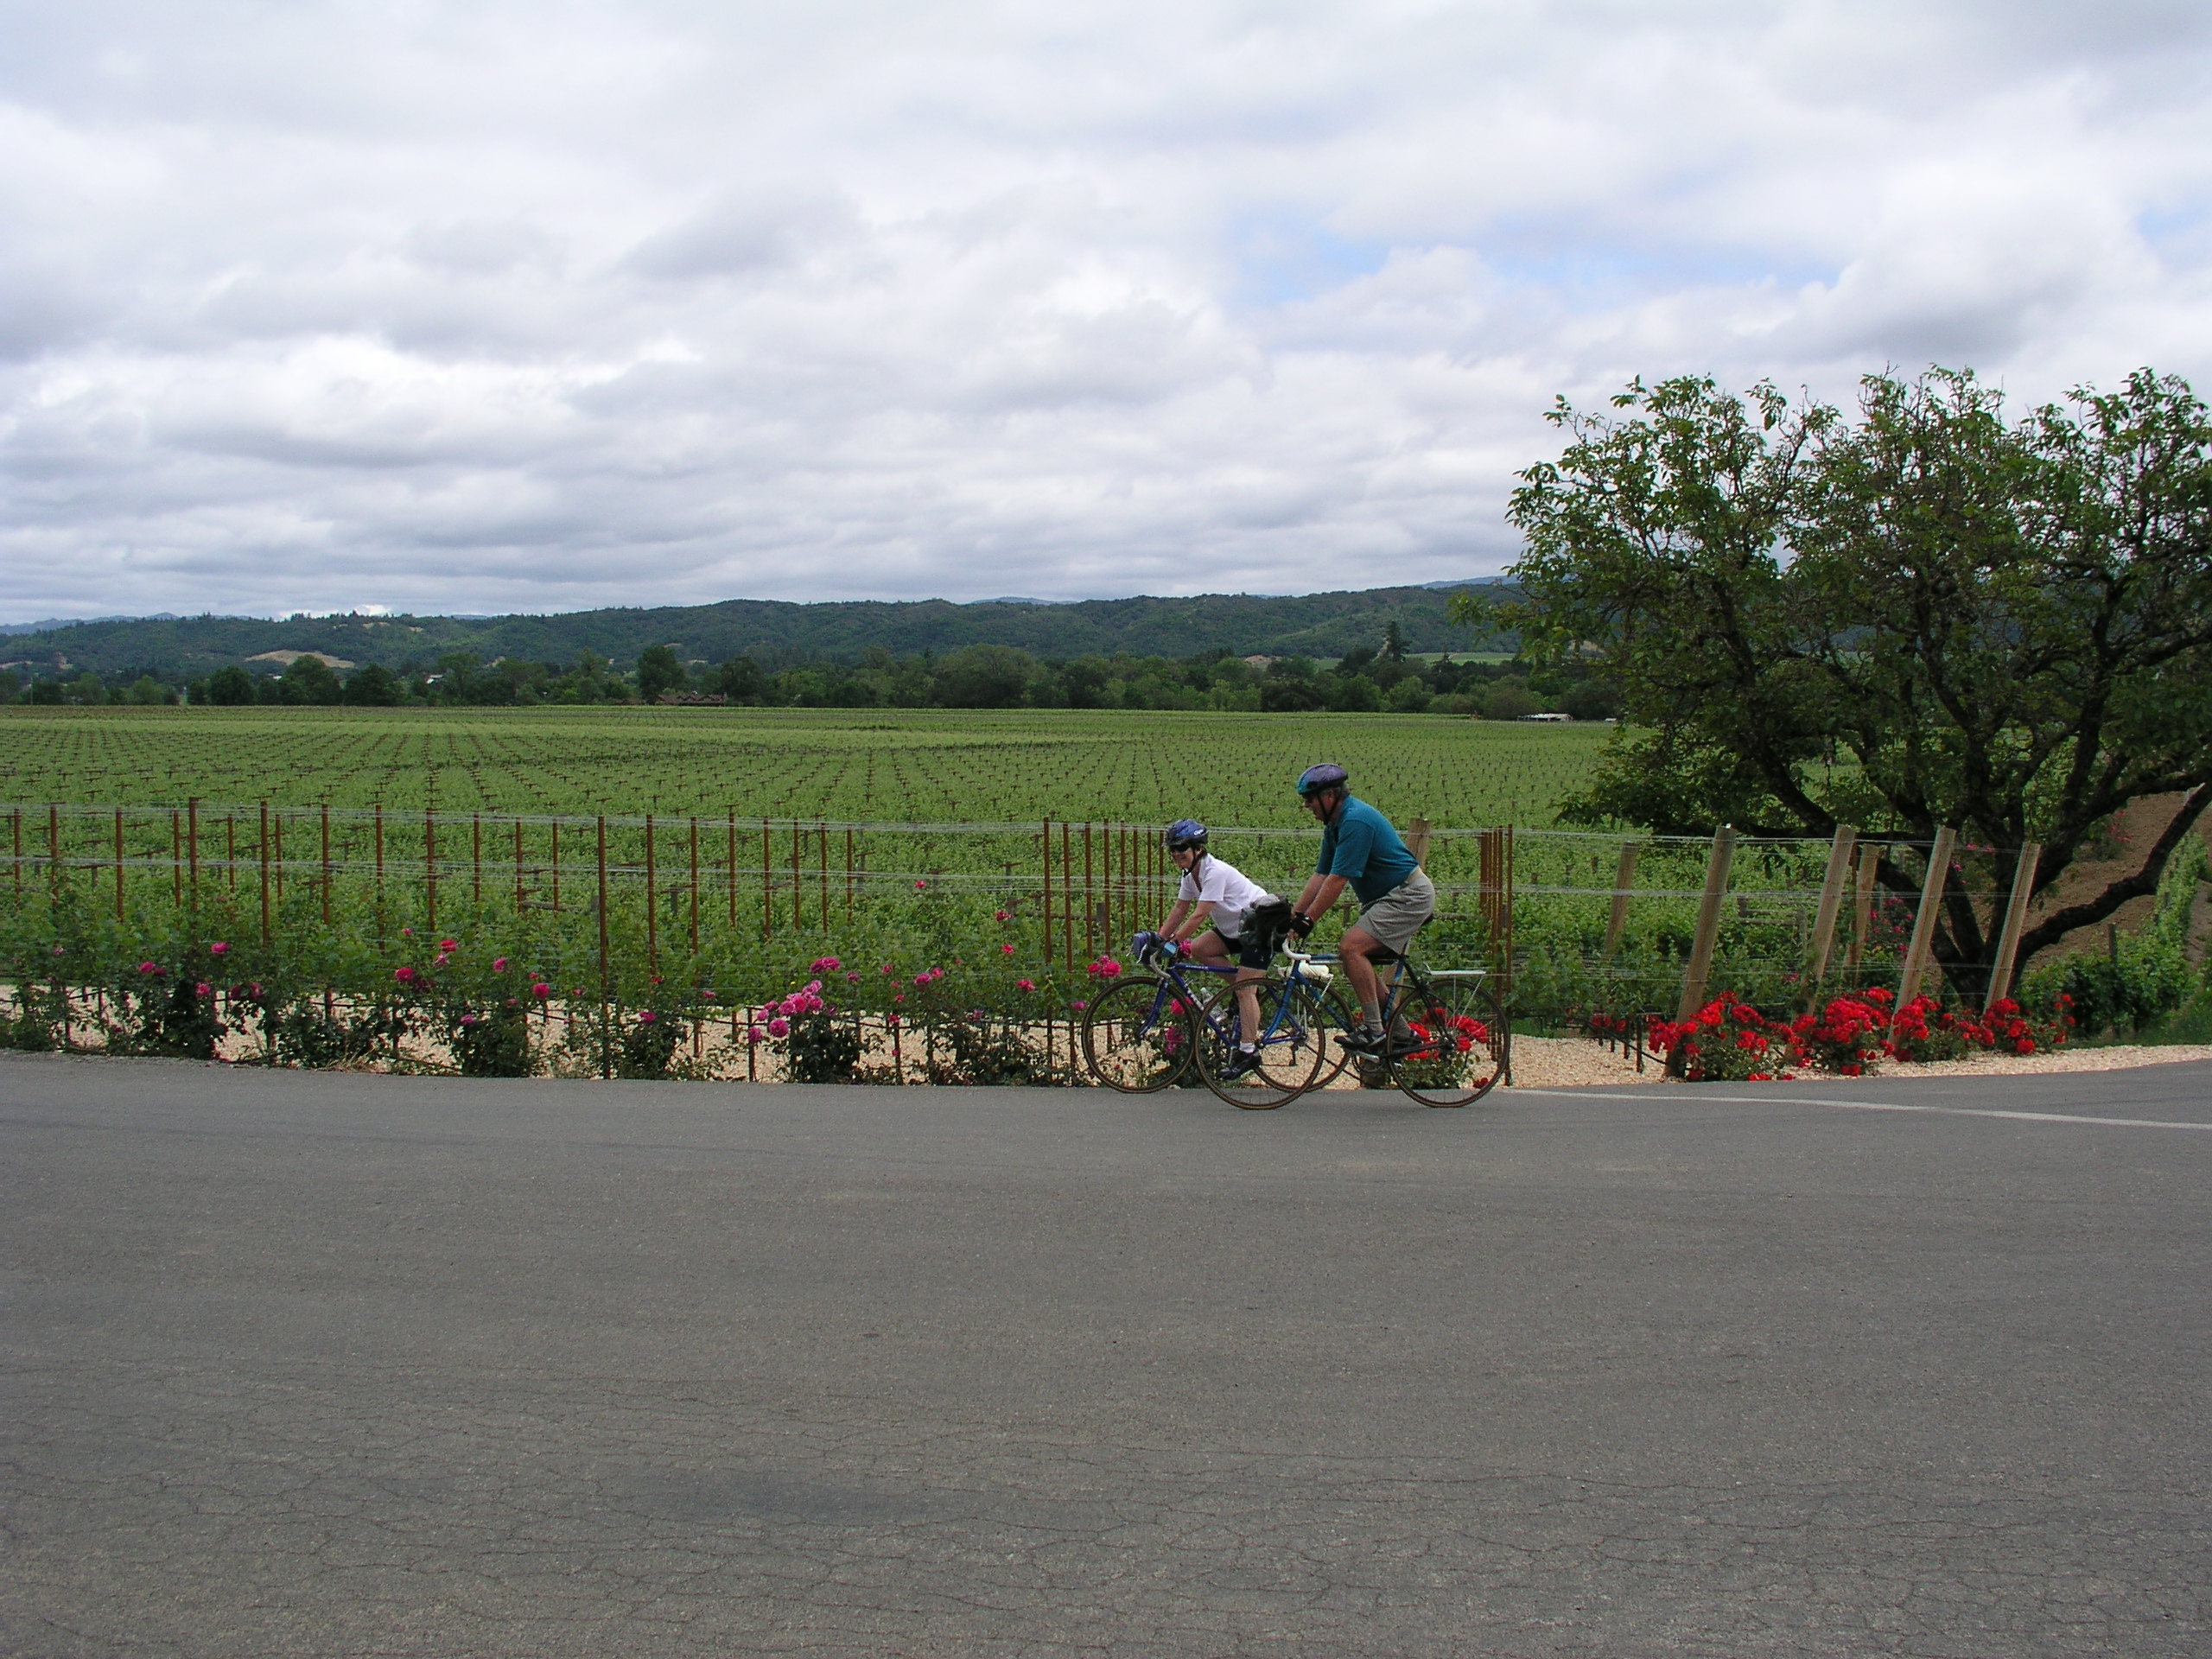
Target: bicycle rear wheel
(1448,1038)
(1291,1052)
(1137,1035)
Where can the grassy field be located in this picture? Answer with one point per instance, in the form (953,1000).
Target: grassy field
(861,765)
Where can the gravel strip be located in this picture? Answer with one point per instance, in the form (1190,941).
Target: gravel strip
(1569,1062)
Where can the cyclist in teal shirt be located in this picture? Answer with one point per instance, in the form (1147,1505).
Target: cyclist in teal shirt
(1360,849)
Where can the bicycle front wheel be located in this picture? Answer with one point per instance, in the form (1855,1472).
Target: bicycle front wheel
(1448,1042)
(1290,1056)
(1137,1035)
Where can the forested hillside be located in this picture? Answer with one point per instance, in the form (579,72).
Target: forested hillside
(773,633)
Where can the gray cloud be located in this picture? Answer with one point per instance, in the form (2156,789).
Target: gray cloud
(489,306)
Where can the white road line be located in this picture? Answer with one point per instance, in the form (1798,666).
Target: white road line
(1877,1106)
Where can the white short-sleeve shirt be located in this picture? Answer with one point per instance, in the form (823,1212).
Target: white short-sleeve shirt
(1227,888)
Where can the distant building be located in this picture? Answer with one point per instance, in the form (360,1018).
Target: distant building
(1547,717)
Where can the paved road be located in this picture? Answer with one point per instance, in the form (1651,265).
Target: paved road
(342,1365)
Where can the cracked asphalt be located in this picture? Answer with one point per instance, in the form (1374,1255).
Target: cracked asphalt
(342,1365)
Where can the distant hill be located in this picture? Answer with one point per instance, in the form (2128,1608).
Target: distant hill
(774,632)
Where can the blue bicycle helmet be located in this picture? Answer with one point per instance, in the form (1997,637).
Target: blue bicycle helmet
(1327,775)
(1184,832)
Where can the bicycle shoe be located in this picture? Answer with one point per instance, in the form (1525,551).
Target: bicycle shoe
(1366,1044)
(1242,1064)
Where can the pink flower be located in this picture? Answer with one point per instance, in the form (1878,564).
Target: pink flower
(1002,915)
(824,965)
(148,968)
(778,1028)
(888,968)
(404,975)
(754,1034)
(204,989)
(647,1017)
(1025,984)
(1079,1007)
(218,949)
(921,979)
(541,990)
(406,932)
(1006,949)
(449,945)
(706,996)
(918,885)
(498,965)
(852,979)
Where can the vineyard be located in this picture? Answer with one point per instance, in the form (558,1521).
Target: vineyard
(858,765)
(811,896)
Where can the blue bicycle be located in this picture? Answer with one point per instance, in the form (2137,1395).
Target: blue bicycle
(1148,1031)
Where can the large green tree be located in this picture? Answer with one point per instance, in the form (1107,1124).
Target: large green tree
(1922,614)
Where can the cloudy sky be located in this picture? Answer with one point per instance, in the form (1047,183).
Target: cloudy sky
(484,305)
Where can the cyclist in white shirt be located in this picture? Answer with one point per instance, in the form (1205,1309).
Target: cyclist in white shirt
(1230,915)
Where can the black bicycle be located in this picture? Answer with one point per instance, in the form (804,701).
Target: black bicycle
(1447,1042)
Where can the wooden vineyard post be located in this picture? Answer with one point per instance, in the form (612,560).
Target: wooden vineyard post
(118,863)
(519,887)
(476,859)
(553,867)
(652,903)
(1923,921)
(1067,908)
(2016,916)
(1117,882)
(798,883)
(265,934)
(695,886)
(1045,927)
(326,863)
(1862,905)
(1090,903)
(53,848)
(231,851)
(16,828)
(1708,923)
(848,872)
(768,889)
(1505,962)
(1624,885)
(429,870)
(1417,831)
(1817,965)
(732,883)
(176,855)
(377,824)
(606,981)
(192,848)
(822,866)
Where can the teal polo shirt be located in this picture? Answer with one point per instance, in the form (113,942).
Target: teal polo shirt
(1360,844)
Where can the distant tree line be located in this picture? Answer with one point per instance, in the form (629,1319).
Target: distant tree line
(1381,678)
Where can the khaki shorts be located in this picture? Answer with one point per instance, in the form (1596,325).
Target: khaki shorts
(1398,915)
